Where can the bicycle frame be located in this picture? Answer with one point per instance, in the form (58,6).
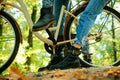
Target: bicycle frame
(21,6)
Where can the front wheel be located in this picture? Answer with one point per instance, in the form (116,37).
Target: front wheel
(103,39)
(9,40)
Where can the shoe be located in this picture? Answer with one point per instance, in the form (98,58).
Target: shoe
(46,19)
(87,57)
(56,59)
(71,61)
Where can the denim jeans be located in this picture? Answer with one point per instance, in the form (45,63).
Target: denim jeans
(57,8)
(47,3)
(87,19)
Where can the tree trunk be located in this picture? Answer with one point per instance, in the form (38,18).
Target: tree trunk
(114,43)
(33,17)
(0,27)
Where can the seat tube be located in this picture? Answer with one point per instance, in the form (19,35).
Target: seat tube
(59,21)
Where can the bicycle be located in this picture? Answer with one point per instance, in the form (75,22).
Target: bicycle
(10,33)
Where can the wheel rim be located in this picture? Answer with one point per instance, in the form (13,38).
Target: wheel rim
(108,46)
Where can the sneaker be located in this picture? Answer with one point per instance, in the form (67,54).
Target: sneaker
(71,61)
(87,57)
(46,19)
(56,59)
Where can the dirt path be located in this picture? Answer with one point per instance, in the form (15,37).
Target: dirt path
(93,73)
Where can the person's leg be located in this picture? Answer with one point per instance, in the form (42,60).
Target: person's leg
(88,17)
(47,5)
(92,14)
(46,16)
(57,8)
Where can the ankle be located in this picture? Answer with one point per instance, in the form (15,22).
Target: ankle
(74,51)
(78,46)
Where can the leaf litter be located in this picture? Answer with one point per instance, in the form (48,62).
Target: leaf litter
(92,73)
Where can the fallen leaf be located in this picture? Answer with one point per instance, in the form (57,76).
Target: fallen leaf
(111,72)
(15,73)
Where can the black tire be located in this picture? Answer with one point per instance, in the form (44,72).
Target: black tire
(107,47)
(9,40)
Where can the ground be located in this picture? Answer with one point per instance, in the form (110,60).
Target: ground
(93,73)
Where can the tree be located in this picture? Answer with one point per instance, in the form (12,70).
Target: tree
(33,17)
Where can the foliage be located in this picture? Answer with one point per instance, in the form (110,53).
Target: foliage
(33,58)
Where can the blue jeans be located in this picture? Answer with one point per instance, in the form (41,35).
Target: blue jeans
(57,8)
(47,3)
(88,17)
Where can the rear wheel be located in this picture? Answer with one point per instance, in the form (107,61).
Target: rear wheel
(9,40)
(105,37)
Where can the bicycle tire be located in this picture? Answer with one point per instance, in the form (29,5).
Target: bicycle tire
(69,26)
(9,40)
